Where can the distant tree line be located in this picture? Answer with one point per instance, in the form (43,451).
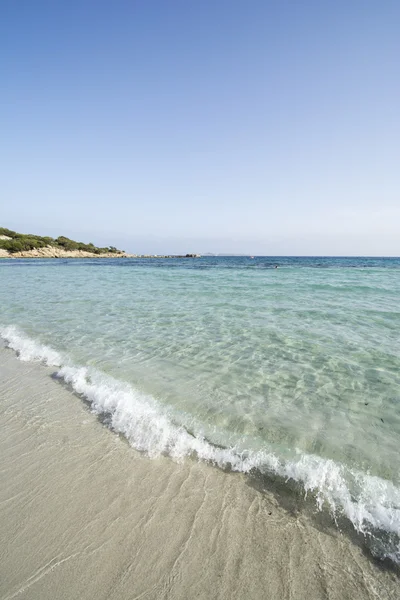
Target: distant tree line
(21,242)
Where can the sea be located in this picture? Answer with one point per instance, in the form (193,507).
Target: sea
(284,368)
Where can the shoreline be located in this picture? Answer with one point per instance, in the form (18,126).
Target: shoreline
(55,253)
(52,252)
(84,515)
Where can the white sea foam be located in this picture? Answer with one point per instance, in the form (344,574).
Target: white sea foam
(28,349)
(371,503)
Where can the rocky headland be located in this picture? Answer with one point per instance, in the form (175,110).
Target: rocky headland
(19,245)
(54,252)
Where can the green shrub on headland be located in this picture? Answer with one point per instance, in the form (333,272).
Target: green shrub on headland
(20,242)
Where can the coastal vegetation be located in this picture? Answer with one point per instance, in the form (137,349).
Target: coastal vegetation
(14,242)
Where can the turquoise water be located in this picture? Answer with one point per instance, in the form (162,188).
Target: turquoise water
(293,371)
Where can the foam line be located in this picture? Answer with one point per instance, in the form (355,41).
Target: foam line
(371,503)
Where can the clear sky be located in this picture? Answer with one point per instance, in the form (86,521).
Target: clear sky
(262,127)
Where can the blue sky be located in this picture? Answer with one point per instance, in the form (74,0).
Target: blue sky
(262,127)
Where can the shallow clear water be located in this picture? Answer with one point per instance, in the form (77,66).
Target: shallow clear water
(295,370)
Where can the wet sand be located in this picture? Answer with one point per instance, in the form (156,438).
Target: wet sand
(83,515)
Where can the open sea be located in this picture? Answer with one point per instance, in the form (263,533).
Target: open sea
(289,373)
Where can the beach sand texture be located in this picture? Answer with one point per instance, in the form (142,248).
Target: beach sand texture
(83,515)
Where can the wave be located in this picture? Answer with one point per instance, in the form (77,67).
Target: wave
(371,503)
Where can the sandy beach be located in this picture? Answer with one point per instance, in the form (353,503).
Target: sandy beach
(83,515)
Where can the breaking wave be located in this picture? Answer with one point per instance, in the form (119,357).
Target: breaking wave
(371,503)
